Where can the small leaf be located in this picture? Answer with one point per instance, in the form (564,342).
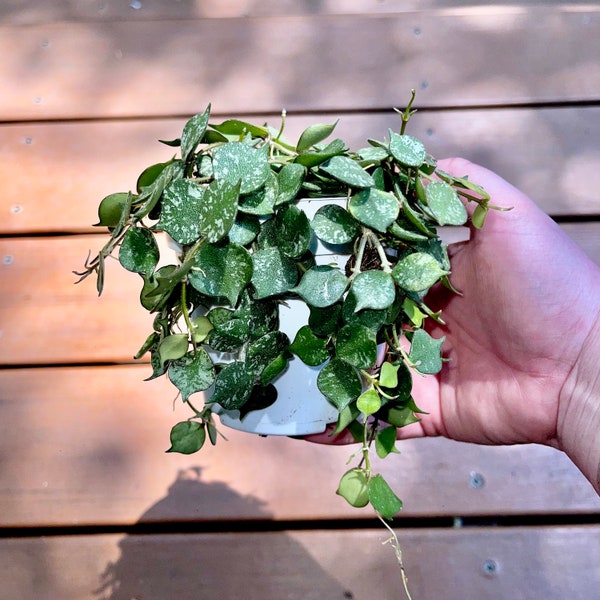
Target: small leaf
(313,135)
(316,157)
(235,127)
(374,208)
(412,311)
(382,498)
(374,290)
(444,204)
(150,174)
(180,209)
(111,209)
(311,350)
(354,487)
(173,347)
(417,272)
(187,437)
(347,171)
(388,376)
(334,225)
(357,345)
(426,352)
(339,382)
(192,373)
(201,327)
(407,150)
(273,273)
(369,402)
(233,386)
(139,251)
(385,441)
(221,271)
(237,161)
(479,215)
(193,131)
(322,286)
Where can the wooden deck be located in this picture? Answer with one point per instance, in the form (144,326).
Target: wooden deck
(90,504)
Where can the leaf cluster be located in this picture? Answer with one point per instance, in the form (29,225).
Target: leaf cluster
(230,201)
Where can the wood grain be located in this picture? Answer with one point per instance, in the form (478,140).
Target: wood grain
(173,67)
(484,563)
(87,445)
(55,174)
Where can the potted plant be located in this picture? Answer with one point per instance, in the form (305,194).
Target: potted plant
(347,242)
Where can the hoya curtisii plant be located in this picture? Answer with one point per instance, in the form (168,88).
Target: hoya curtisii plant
(230,201)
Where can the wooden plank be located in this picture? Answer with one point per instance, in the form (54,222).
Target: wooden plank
(487,564)
(47,319)
(69,70)
(29,12)
(97,438)
(549,153)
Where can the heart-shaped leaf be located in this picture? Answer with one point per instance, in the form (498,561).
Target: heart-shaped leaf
(382,498)
(417,272)
(322,286)
(385,441)
(313,135)
(348,171)
(373,289)
(187,437)
(444,204)
(339,382)
(274,273)
(180,208)
(407,150)
(334,225)
(139,251)
(369,402)
(311,350)
(290,180)
(173,347)
(294,233)
(192,373)
(221,271)
(374,208)
(233,386)
(357,345)
(426,352)
(111,209)
(354,487)
(237,161)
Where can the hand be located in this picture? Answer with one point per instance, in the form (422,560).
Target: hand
(530,299)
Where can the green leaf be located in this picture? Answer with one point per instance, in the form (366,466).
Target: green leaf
(357,345)
(388,376)
(235,127)
(322,286)
(150,174)
(373,154)
(139,251)
(180,209)
(373,289)
(385,441)
(334,225)
(265,350)
(413,312)
(354,487)
(237,161)
(193,131)
(192,373)
(217,211)
(313,135)
(369,402)
(382,498)
(444,204)
(311,350)
(233,386)
(111,208)
(277,366)
(324,321)
(479,215)
(173,347)
(426,352)
(201,327)
(373,319)
(261,397)
(347,171)
(346,416)
(407,150)
(316,157)
(187,437)
(293,229)
(244,229)
(290,180)
(339,382)
(374,208)
(417,272)
(274,273)
(221,271)
(261,202)
(400,416)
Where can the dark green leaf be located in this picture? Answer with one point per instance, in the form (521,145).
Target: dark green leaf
(237,161)
(139,251)
(316,157)
(374,208)
(374,290)
(357,345)
(192,373)
(290,180)
(294,233)
(180,211)
(217,211)
(193,132)
(348,171)
(339,382)
(322,286)
(244,229)
(187,437)
(262,201)
(382,498)
(274,273)
(426,352)
(312,350)
(261,397)
(324,321)
(233,386)
(334,225)
(385,441)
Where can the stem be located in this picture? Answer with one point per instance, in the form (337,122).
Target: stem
(186,313)
(360,252)
(385,263)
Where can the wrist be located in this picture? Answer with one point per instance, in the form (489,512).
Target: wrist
(578,427)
